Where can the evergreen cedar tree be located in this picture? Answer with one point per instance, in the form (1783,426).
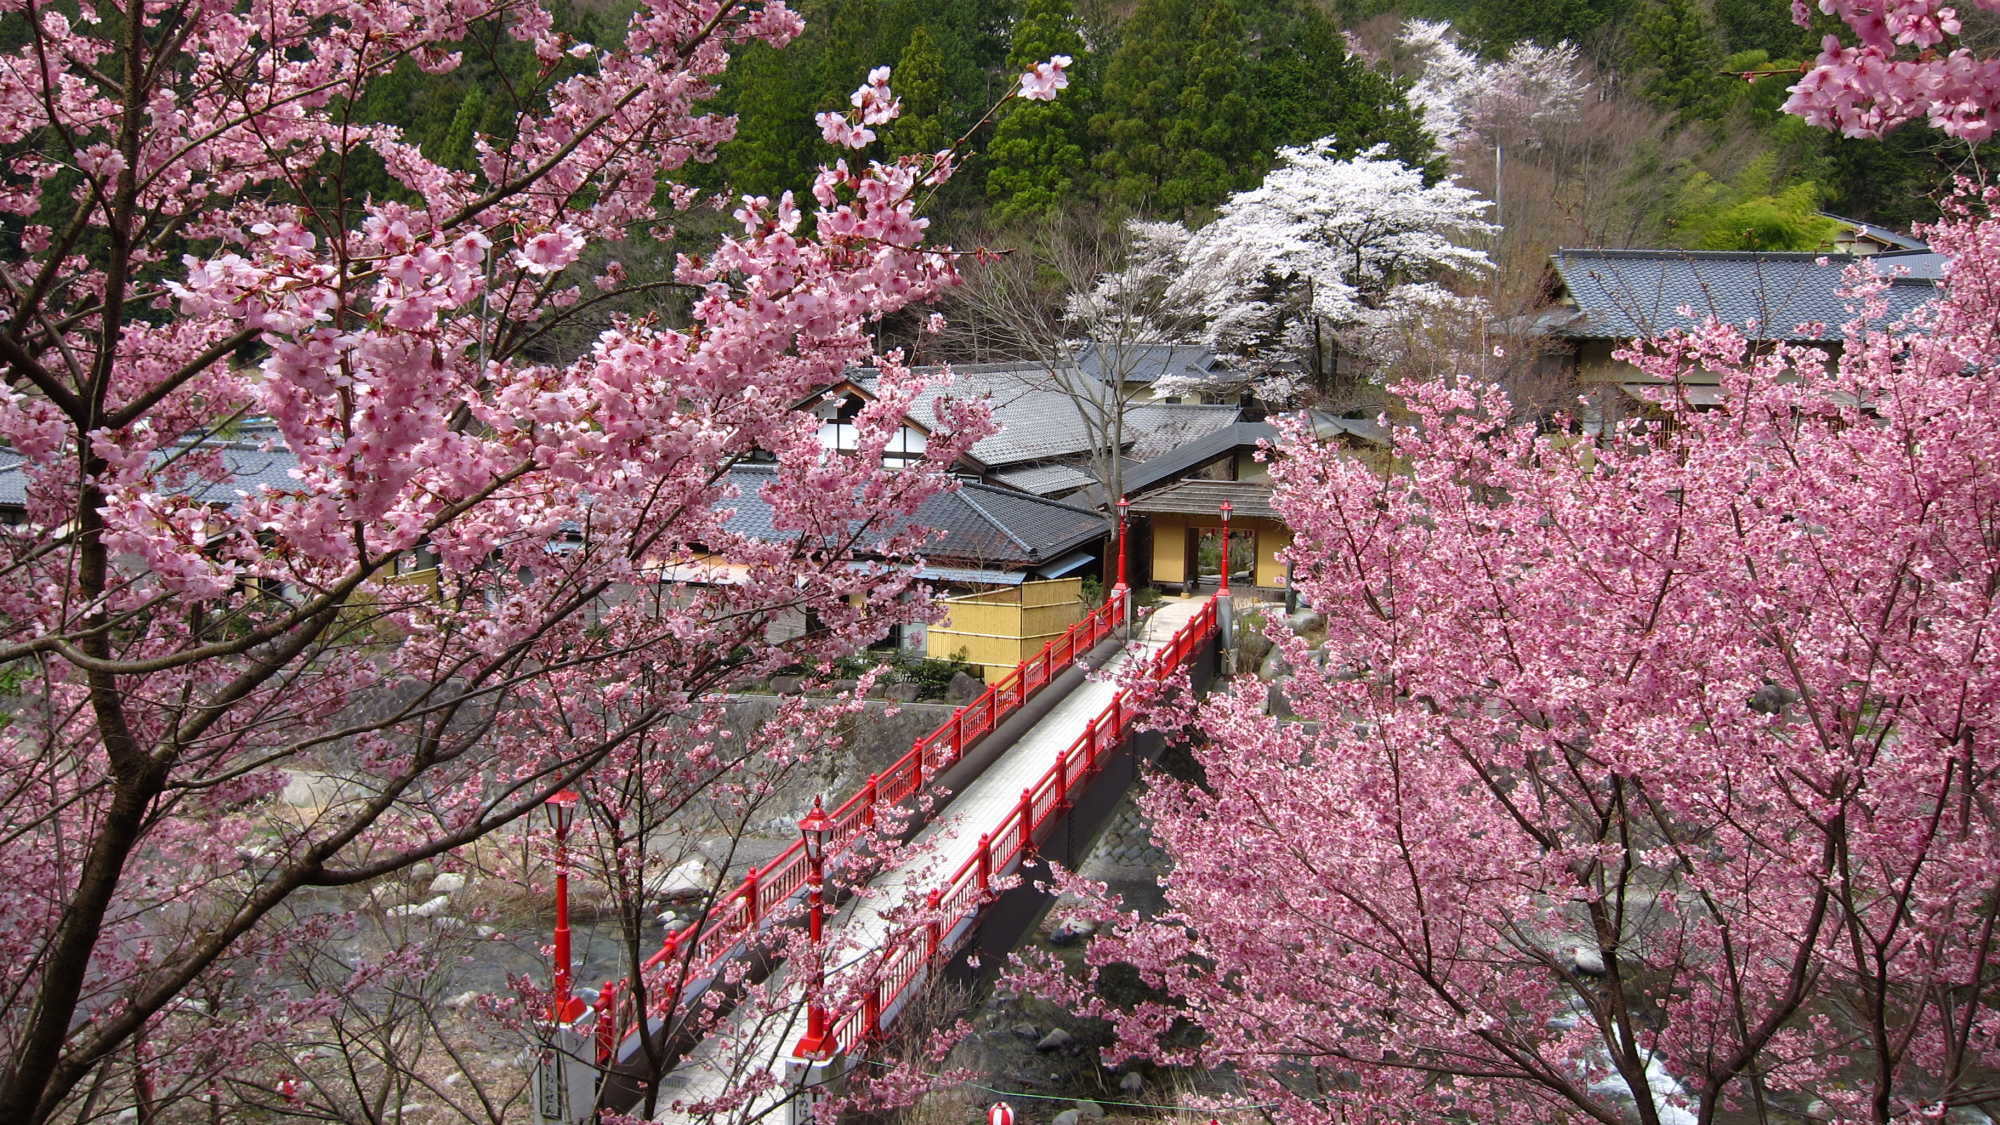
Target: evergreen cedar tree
(1171,108)
(190,279)
(1643,775)
(1037,160)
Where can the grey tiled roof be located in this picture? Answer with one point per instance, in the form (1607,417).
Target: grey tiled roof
(1168,466)
(1038,418)
(1622,294)
(1228,439)
(1143,363)
(1881,234)
(1205,497)
(978,523)
(1052,478)
(1156,428)
(247,467)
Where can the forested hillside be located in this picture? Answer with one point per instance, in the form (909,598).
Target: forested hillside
(1585,122)
(1176,103)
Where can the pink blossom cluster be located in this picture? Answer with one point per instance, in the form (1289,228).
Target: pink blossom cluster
(1041,82)
(320,490)
(1641,776)
(1903,67)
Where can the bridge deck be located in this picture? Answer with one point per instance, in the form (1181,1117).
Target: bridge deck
(952,837)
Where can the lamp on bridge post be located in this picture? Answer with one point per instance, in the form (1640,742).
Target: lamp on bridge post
(1124,526)
(1223,592)
(564,1007)
(1124,536)
(816,830)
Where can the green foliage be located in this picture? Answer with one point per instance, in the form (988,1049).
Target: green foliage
(1502,23)
(1141,93)
(945,57)
(1682,53)
(1751,212)
(1746,25)
(932,677)
(1309,86)
(1199,93)
(1213,137)
(919,81)
(1893,181)
(1038,157)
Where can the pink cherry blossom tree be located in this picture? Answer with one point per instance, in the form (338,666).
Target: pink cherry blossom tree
(1647,776)
(304,490)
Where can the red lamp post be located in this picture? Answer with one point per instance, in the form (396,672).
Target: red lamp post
(816,830)
(564,1008)
(1124,525)
(1224,590)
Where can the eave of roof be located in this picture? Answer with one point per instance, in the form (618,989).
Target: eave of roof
(1247,499)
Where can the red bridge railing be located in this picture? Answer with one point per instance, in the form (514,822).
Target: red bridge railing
(743,910)
(908,959)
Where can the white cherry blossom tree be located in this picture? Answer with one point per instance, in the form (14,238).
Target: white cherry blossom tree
(1308,265)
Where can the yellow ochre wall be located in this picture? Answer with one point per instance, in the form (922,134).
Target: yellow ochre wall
(1170,547)
(998,629)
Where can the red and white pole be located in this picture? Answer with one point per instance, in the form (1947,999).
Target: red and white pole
(564,1007)
(1224,590)
(1122,592)
(816,830)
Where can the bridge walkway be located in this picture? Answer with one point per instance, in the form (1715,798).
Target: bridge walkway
(951,843)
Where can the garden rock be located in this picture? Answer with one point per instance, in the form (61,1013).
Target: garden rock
(902,692)
(692,878)
(1089,1110)
(449,883)
(1026,1032)
(429,908)
(963,688)
(1132,1085)
(1585,959)
(1066,1117)
(1069,931)
(1055,1040)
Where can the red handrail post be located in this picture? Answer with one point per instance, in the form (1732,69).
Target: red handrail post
(607,1030)
(871,1012)
(749,892)
(1028,821)
(934,928)
(985,870)
(1062,770)
(670,989)
(958,734)
(868,802)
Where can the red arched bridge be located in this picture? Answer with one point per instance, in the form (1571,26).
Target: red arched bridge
(997,783)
